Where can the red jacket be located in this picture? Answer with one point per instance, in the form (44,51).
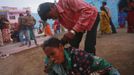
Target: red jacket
(76,14)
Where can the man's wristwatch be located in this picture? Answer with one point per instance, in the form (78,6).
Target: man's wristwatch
(72,31)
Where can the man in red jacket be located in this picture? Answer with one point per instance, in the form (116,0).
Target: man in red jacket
(78,17)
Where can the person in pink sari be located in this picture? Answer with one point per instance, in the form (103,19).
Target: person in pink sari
(130,17)
(6,30)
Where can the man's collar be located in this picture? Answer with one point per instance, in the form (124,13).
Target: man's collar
(60,10)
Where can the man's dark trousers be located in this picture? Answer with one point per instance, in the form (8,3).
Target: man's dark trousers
(90,38)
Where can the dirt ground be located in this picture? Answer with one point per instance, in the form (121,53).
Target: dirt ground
(116,48)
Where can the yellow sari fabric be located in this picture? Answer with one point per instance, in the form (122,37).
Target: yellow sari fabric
(105,23)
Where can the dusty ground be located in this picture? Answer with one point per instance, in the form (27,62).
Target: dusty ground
(116,48)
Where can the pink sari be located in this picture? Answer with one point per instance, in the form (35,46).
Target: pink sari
(6,35)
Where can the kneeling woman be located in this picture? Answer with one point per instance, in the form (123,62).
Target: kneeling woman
(71,61)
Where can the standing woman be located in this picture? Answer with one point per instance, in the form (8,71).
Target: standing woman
(6,30)
(104,4)
(128,5)
(47,30)
(104,22)
(122,18)
(130,17)
(1,36)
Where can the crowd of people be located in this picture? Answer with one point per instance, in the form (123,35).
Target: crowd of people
(26,26)
(126,13)
(78,17)
(21,31)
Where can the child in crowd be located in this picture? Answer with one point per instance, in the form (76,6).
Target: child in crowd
(72,61)
(47,30)
(56,27)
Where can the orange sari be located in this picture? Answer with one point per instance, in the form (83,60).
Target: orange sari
(47,30)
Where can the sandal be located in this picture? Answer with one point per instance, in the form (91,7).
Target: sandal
(4,55)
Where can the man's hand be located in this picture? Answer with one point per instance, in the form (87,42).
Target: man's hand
(68,36)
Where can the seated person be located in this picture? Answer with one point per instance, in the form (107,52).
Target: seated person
(15,36)
(71,61)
